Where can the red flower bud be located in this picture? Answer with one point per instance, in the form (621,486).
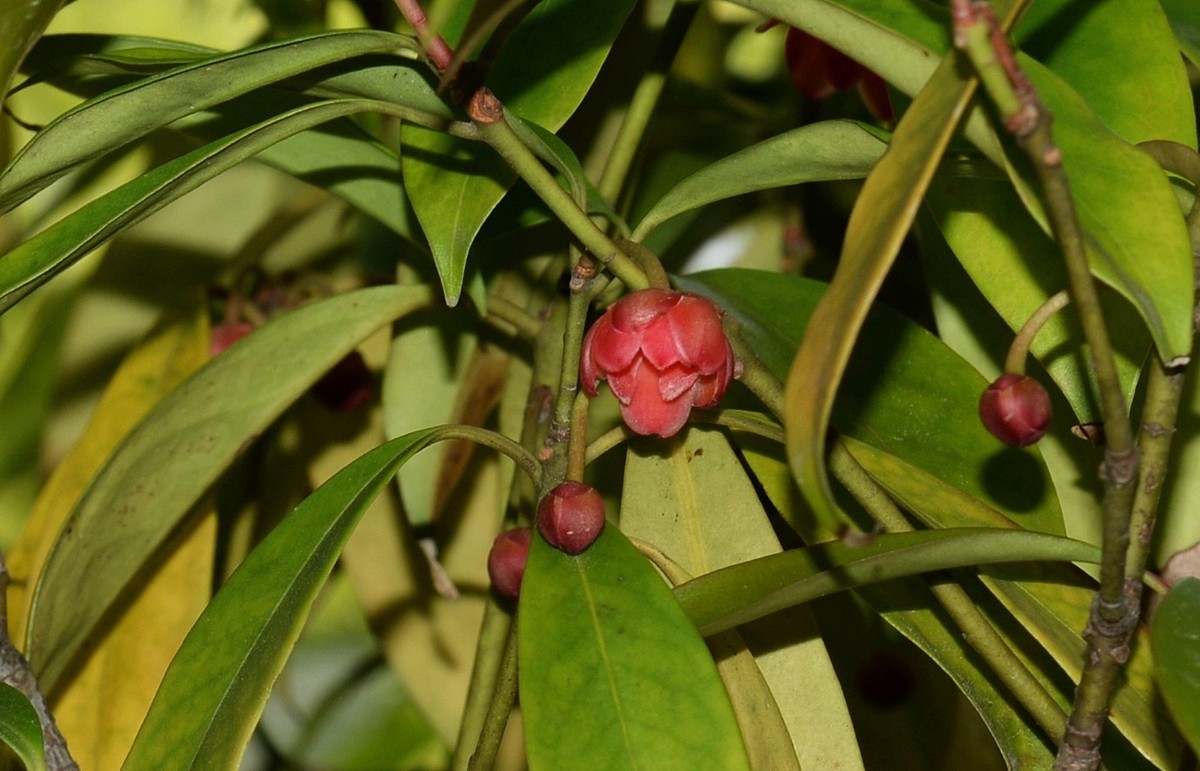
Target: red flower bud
(662,353)
(226,334)
(1015,409)
(819,71)
(506,561)
(571,517)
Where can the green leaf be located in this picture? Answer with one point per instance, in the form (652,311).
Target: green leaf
(21,23)
(748,590)
(21,729)
(541,75)
(216,687)
(165,464)
(1175,636)
(597,691)
(1184,16)
(1016,266)
(1138,242)
(51,251)
(879,222)
(838,149)
(1050,601)
(1081,48)
(905,392)
(111,120)
(691,499)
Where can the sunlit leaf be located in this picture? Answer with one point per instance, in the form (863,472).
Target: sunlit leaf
(21,729)
(53,250)
(215,689)
(1175,635)
(879,222)
(163,467)
(114,119)
(822,151)
(596,690)
(905,392)
(691,498)
(748,590)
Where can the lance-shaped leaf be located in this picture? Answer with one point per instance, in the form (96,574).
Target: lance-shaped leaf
(51,251)
(541,75)
(723,599)
(114,119)
(21,23)
(612,674)
(165,464)
(1175,635)
(21,729)
(837,149)
(215,689)
(879,222)
(691,498)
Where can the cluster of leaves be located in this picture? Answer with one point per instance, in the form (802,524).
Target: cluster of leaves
(166,570)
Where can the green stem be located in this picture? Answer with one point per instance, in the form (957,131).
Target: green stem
(507,312)
(1113,614)
(524,459)
(503,698)
(1019,350)
(485,675)
(977,630)
(500,136)
(645,99)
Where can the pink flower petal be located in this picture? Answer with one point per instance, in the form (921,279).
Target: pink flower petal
(647,413)
(698,335)
(611,349)
(659,343)
(676,381)
(637,311)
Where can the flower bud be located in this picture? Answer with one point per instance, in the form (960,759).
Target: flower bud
(571,517)
(819,71)
(662,353)
(1015,409)
(506,561)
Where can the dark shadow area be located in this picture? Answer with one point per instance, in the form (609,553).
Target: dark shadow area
(999,471)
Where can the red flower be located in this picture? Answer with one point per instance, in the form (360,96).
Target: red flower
(1015,409)
(662,353)
(819,71)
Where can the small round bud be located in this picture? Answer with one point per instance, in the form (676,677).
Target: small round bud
(1015,409)
(506,561)
(571,517)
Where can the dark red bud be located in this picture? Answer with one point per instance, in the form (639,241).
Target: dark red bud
(506,561)
(571,517)
(226,334)
(348,386)
(1015,409)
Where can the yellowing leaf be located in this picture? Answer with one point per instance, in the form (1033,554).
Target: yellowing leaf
(104,703)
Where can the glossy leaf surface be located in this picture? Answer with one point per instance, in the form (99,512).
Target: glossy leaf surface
(215,689)
(53,250)
(822,151)
(905,392)
(112,120)
(1175,634)
(596,690)
(20,728)
(175,454)
(691,498)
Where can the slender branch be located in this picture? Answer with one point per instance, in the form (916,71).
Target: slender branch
(524,459)
(507,312)
(499,134)
(505,695)
(1019,350)
(440,54)
(977,630)
(485,673)
(15,671)
(1114,615)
